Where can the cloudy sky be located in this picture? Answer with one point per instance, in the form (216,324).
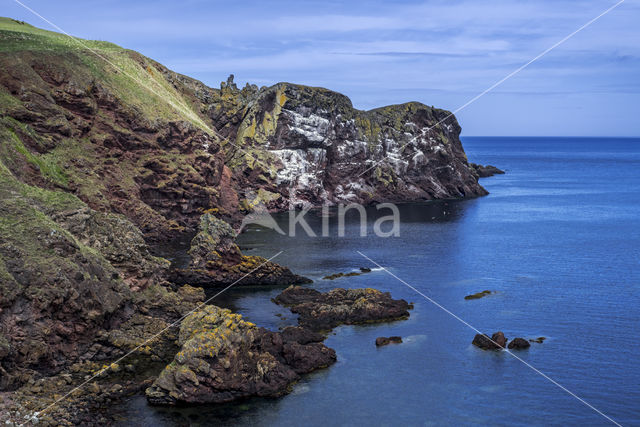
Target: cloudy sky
(441,53)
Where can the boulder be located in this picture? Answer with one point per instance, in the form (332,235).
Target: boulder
(496,342)
(518,344)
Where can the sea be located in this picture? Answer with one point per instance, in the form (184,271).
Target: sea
(557,242)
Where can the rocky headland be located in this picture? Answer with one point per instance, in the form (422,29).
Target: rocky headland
(99,165)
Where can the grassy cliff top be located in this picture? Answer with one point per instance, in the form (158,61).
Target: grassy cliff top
(138,82)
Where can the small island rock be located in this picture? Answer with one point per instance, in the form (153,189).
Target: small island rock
(380,341)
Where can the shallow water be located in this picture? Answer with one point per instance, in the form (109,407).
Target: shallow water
(558,239)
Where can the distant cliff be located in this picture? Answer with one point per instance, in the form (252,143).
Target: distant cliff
(324,150)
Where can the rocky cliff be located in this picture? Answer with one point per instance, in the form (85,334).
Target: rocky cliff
(127,135)
(104,153)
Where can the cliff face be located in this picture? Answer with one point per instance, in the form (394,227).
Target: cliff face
(127,135)
(327,151)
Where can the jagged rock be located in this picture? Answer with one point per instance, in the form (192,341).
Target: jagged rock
(216,261)
(518,344)
(485,171)
(323,311)
(223,358)
(215,240)
(496,342)
(381,341)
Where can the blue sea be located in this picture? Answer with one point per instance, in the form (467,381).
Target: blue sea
(557,240)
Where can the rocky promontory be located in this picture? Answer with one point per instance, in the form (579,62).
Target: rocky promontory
(223,358)
(216,261)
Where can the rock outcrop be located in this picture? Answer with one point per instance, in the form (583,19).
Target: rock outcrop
(323,311)
(485,171)
(328,152)
(223,358)
(216,261)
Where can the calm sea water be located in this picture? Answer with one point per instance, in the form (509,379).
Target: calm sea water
(558,239)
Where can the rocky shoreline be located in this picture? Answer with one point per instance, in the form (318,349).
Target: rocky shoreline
(96,173)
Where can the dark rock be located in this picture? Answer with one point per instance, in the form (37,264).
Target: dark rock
(538,340)
(518,344)
(485,171)
(499,339)
(223,358)
(350,274)
(216,261)
(380,341)
(478,295)
(324,311)
(496,342)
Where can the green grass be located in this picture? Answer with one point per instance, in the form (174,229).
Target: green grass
(46,164)
(131,77)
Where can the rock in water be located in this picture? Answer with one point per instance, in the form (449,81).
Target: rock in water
(380,341)
(323,311)
(485,171)
(496,342)
(223,358)
(519,344)
(478,295)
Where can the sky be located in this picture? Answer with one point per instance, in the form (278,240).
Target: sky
(441,53)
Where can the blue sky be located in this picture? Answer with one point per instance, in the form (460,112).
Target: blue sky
(440,53)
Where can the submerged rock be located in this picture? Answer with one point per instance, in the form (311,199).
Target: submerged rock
(324,311)
(223,358)
(538,340)
(380,341)
(363,270)
(478,295)
(518,344)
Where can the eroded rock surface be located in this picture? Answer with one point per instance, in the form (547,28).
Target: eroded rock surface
(223,357)
(323,311)
(216,260)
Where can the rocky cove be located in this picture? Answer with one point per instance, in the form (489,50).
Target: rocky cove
(101,168)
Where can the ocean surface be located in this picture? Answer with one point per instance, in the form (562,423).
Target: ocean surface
(558,240)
